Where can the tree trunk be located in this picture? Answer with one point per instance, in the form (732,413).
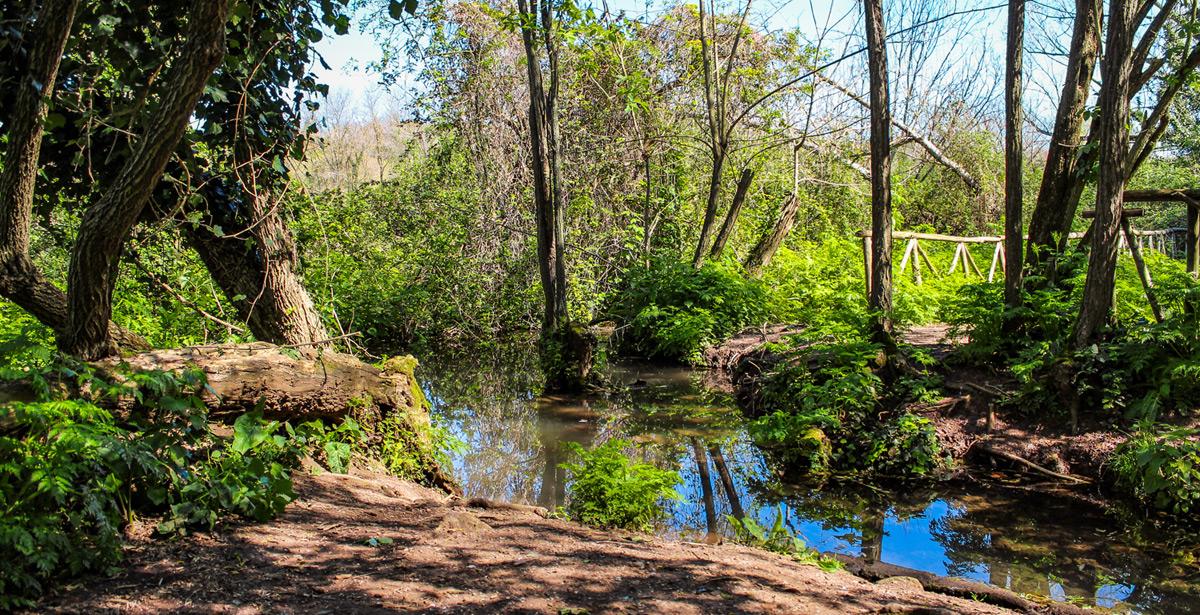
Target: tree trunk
(760,256)
(717,142)
(20,280)
(105,225)
(260,278)
(1113,139)
(735,209)
(735,501)
(710,207)
(762,253)
(1053,212)
(543,127)
(1014,192)
(934,151)
(880,300)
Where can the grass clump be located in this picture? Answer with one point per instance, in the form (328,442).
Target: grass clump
(779,539)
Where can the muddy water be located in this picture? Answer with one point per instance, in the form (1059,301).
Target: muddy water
(1030,543)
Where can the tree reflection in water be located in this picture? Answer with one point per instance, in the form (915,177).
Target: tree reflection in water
(1036,544)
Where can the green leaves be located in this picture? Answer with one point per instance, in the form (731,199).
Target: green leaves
(398,8)
(71,475)
(1161,469)
(607,490)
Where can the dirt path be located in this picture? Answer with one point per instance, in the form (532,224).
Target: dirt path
(444,557)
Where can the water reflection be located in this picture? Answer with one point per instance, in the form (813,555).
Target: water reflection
(1031,544)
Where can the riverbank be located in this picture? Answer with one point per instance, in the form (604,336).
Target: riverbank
(973,427)
(373,544)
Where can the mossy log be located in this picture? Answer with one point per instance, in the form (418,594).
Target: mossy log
(288,386)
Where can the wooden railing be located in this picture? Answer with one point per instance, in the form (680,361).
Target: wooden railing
(1166,241)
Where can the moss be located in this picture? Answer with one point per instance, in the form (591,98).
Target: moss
(407,365)
(568,357)
(402,438)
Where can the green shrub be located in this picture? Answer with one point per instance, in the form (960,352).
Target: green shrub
(905,445)
(673,311)
(71,474)
(607,490)
(1138,369)
(827,410)
(1161,470)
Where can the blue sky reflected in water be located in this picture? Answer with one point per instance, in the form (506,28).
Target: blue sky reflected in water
(1029,544)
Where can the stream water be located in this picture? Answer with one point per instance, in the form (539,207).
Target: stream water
(1031,543)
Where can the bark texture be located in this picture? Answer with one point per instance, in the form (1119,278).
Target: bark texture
(106,224)
(543,132)
(287,386)
(880,298)
(762,253)
(1053,211)
(1114,152)
(735,210)
(20,280)
(1014,192)
(262,279)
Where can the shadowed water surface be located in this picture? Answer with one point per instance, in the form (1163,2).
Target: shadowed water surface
(1030,543)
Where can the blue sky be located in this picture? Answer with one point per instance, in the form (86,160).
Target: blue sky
(348,54)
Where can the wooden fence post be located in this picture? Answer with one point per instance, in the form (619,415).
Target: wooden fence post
(866,241)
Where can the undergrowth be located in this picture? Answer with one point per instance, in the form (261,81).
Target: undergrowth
(1139,368)
(824,408)
(607,490)
(1161,469)
(72,473)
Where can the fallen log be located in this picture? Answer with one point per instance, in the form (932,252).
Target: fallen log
(953,586)
(288,386)
(995,452)
(284,384)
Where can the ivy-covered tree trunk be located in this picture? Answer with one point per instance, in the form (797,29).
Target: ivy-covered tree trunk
(1114,153)
(717,143)
(106,224)
(880,298)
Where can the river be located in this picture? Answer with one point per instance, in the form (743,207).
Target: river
(1030,542)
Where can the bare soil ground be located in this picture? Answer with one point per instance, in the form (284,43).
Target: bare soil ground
(969,421)
(445,556)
